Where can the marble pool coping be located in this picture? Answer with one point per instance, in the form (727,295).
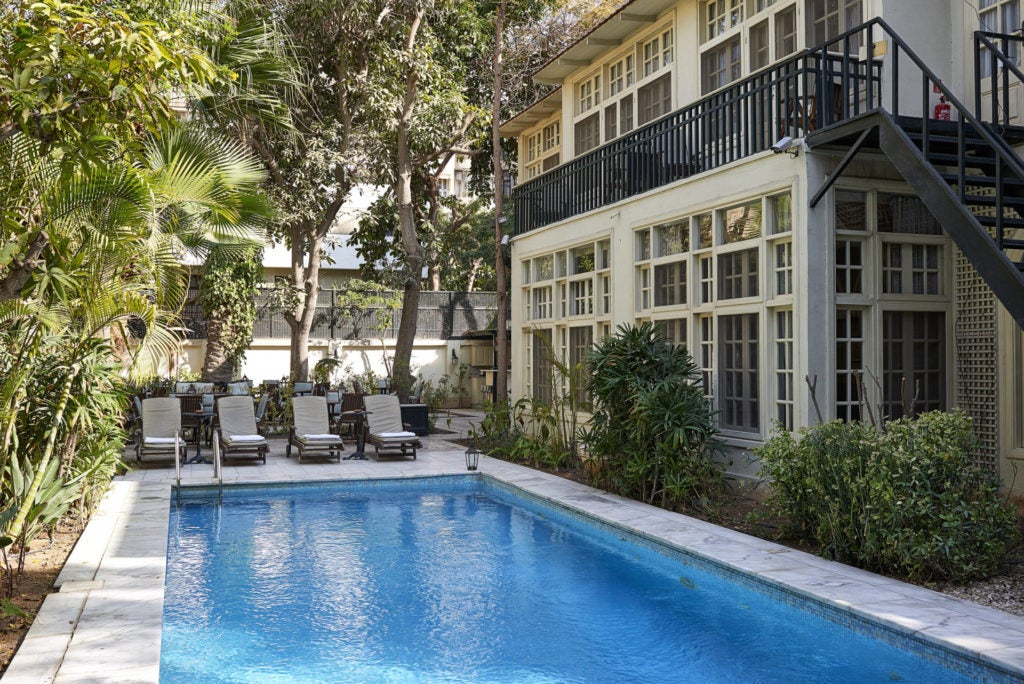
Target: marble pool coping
(104,624)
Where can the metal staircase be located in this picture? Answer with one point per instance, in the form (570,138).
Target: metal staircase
(965,169)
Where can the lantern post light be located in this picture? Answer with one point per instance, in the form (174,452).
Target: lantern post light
(472,457)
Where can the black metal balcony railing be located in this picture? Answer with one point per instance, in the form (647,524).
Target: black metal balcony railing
(442,315)
(810,90)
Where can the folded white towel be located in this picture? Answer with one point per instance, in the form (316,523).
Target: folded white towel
(395,435)
(328,437)
(246,438)
(159,440)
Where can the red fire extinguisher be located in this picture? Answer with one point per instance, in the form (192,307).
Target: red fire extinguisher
(942,109)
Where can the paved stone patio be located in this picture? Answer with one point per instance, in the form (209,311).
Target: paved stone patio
(104,624)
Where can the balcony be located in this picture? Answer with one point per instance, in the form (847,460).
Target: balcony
(811,90)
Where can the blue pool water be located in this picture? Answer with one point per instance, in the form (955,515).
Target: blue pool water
(462,582)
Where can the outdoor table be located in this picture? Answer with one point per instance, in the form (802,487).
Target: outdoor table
(359,454)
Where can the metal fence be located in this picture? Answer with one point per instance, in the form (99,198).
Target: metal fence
(442,315)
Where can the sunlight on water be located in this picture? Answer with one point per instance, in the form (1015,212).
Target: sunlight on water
(412,586)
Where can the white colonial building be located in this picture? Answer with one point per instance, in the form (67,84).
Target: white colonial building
(821,198)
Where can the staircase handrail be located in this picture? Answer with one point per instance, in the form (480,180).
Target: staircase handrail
(1012,161)
(984,38)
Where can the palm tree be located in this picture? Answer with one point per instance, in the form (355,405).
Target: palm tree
(109,286)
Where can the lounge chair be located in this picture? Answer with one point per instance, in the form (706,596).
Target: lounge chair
(238,435)
(384,427)
(311,432)
(161,429)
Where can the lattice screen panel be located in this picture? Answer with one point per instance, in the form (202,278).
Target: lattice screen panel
(976,368)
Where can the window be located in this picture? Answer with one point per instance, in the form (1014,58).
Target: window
(785,32)
(611,121)
(533,147)
(851,210)
(673,329)
(672,238)
(542,303)
(588,94)
(621,75)
(742,222)
(542,366)
(760,50)
(670,284)
(782,214)
(904,214)
(707,353)
(643,288)
(606,295)
(911,269)
(552,136)
(737,274)
(849,267)
(707,281)
(783,266)
(581,293)
(626,114)
(705,230)
(849,362)
(720,16)
(544,267)
(656,53)
(543,151)
(581,341)
(827,19)
(655,99)
(722,65)
(583,259)
(738,382)
(784,399)
(588,133)
(1000,16)
(914,362)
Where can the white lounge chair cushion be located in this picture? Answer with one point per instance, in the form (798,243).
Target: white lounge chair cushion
(395,435)
(320,438)
(246,438)
(159,440)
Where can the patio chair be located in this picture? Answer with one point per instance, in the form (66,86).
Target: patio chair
(238,434)
(303,389)
(347,419)
(384,427)
(311,432)
(161,429)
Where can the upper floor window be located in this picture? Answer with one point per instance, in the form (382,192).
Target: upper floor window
(1000,16)
(588,94)
(827,19)
(721,65)
(657,52)
(720,16)
(621,75)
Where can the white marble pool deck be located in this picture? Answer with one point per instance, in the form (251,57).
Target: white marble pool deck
(104,624)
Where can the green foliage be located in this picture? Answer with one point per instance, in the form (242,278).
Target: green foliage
(909,499)
(227,294)
(653,430)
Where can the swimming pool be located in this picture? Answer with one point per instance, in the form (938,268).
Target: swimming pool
(457,579)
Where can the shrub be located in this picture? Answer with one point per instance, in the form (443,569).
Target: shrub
(652,428)
(909,499)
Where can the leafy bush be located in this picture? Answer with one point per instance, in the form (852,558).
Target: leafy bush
(652,428)
(909,499)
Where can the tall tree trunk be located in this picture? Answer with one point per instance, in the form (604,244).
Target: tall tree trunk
(305,240)
(216,367)
(501,322)
(401,380)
